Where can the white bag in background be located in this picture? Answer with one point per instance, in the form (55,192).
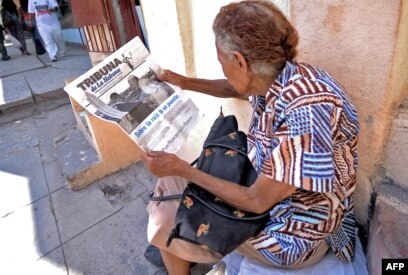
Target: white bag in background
(12,40)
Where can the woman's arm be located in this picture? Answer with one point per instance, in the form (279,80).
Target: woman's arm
(216,87)
(257,198)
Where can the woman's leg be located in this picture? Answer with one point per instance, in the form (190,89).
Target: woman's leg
(21,38)
(174,264)
(3,49)
(161,223)
(17,31)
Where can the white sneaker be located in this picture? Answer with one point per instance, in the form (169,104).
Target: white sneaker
(54,59)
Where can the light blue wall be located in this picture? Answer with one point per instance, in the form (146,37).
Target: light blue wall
(140,15)
(72,35)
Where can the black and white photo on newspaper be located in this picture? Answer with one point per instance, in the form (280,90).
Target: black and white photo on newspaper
(124,89)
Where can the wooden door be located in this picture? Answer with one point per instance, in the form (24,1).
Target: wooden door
(98,26)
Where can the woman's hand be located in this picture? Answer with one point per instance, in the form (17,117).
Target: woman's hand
(173,78)
(162,164)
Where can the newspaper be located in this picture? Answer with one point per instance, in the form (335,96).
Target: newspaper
(124,89)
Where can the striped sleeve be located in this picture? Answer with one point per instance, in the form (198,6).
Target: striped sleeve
(303,156)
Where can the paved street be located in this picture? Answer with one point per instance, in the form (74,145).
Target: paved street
(45,227)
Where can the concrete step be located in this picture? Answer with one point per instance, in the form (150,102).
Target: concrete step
(33,85)
(74,153)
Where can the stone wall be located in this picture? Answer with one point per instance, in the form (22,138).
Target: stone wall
(396,153)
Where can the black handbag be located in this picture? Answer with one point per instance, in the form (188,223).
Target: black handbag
(39,48)
(204,219)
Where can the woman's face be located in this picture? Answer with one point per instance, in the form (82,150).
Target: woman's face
(232,68)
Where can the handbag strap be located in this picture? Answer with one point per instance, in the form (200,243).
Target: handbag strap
(164,198)
(194,162)
(169,197)
(253,218)
(179,196)
(226,146)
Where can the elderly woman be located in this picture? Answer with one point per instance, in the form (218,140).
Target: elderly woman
(302,142)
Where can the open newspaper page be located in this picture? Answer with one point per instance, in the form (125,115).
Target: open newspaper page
(124,89)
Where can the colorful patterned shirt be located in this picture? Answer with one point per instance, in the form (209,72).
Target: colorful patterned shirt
(304,133)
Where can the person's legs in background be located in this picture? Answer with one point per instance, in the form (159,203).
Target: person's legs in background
(49,43)
(17,31)
(56,34)
(3,50)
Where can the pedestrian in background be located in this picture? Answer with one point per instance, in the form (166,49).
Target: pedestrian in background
(10,19)
(25,22)
(45,12)
(3,50)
